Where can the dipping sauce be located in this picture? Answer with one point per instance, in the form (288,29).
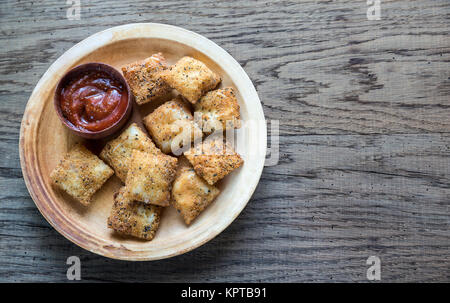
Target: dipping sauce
(94,101)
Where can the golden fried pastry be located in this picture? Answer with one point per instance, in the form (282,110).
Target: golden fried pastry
(172,125)
(150,177)
(213,159)
(134,218)
(117,152)
(81,174)
(191,77)
(190,193)
(219,110)
(144,79)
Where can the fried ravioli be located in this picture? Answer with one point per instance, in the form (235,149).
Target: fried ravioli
(190,193)
(172,124)
(213,159)
(219,110)
(81,174)
(191,78)
(117,152)
(144,79)
(150,177)
(134,218)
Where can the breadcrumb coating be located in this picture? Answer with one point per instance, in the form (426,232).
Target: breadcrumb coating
(172,124)
(190,193)
(191,78)
(213,159)
(219,110)
(134,218)
(150,177)
(81,173)
(117,152)
(144,79)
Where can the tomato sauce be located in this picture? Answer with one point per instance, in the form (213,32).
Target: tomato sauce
(94,101)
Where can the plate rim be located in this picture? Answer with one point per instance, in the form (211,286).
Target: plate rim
(86,46)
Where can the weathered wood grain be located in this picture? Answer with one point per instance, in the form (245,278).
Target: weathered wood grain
(364,149)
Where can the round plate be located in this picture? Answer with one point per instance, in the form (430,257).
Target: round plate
(44,140)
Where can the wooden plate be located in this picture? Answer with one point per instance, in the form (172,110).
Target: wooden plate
(44,140)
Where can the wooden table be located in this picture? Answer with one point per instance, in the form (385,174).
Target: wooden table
(364,167)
